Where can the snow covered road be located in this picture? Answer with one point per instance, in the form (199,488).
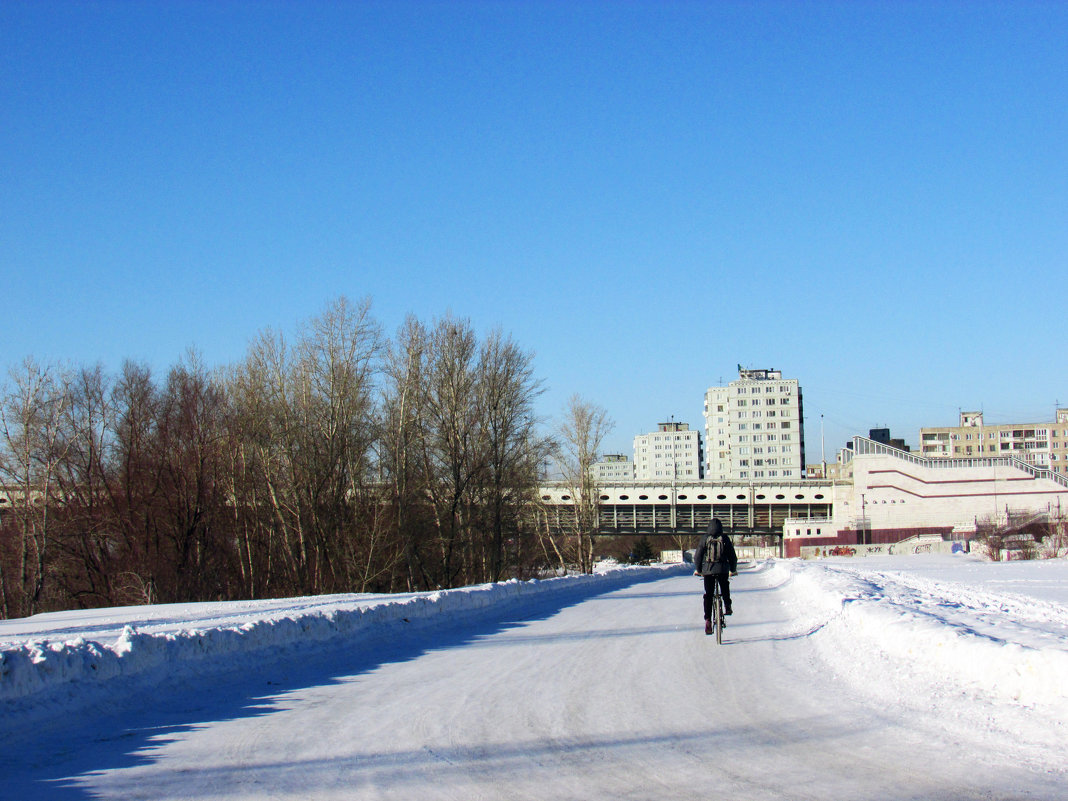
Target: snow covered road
(615,695)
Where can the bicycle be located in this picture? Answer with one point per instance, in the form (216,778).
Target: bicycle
(717,614)
(717,622)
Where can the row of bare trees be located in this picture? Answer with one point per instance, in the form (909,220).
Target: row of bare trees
(335,461)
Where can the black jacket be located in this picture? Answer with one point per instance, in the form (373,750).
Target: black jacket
(728,560)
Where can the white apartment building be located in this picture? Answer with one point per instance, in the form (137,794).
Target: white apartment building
(754,428)
(613,467)
(672,452)
(1043,444)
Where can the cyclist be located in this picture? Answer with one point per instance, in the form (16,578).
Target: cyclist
(715,560)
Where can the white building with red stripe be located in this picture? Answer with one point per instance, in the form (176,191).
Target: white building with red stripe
(894,496)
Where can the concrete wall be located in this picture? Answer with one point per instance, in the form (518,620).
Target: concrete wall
(897,549)
(893,492)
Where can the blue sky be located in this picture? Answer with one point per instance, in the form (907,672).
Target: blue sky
(871,197)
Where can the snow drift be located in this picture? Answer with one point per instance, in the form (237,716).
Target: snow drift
(200,636)
(913,639)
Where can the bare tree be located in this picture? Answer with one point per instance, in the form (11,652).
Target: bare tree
(401,439)
(135,482)
(991,536)
(87,542)
(1054,538)
(451,456)
(190,507)
(513,448)
(31,449)
(306,421)
(263,399)
(335,381)
(582,432)
(458,441)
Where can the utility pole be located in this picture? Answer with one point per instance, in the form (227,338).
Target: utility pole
(864,527)
(823,452)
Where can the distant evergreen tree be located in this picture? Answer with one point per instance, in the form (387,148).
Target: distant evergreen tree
(642,552)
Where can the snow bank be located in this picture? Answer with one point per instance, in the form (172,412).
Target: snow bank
(36,662)
(908,638)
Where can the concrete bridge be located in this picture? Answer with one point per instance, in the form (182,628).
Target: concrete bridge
(684,509)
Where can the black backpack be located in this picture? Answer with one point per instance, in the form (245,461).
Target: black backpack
(713,554)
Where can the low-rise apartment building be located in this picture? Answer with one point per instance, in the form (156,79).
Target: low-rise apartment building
(672,452)
(613,467)
(1043,444)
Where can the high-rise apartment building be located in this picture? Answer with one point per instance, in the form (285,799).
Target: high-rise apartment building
(673,452)
(1043,444)
(754,428)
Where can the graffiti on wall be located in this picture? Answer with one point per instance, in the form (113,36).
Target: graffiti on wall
(897,549)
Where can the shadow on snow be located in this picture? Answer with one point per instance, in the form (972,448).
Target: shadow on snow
(120,728)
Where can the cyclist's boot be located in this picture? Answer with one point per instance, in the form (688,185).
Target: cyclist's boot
(708,626)
(727,611)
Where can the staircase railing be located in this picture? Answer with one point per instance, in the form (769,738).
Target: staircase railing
(862,446)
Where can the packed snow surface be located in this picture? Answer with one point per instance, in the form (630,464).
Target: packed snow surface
(924,677)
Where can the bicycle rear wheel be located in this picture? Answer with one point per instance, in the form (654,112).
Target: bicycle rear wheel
(719,621)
